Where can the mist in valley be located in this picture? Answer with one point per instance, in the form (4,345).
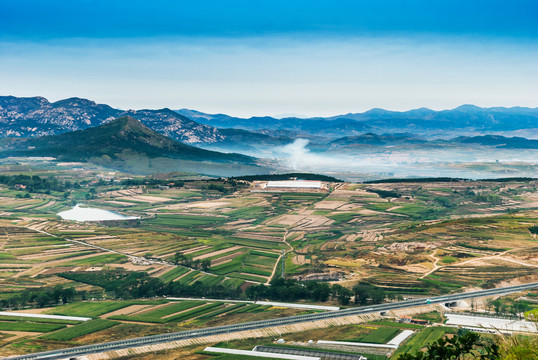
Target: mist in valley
(385,162)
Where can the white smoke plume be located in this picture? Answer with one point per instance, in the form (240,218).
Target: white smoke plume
(297,153)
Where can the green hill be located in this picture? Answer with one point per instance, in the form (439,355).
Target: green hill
(128,145)
(116,139)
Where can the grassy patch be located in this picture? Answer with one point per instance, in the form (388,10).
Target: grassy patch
(380,335)
(449,259)
(38,320)
(29,326)
(98,260)
(80,330)
(173,274)
(184,220)
(94,309)
(162,314)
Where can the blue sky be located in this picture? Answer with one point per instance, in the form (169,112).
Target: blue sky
(262,57)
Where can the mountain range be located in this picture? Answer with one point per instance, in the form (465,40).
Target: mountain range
(423,121)
(36,116)
(126,144)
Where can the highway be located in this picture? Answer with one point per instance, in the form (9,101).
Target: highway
(163,338)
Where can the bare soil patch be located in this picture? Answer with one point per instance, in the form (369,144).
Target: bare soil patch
(329,205)
(215,253)
(126,310)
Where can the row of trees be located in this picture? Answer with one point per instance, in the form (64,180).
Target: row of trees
(153,182)
(36,183)
(33,182)
(292,290)
(508,306)
(122,284)
(41,297)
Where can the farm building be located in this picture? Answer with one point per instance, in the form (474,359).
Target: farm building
(295,184)
(290,185)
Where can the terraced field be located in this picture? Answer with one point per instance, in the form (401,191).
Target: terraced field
(411,239)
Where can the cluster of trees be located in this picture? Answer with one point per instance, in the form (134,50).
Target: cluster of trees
(180,259)
(292,290)
(367,294)
(416,180)
(508,307)
(287,176)
(488,198)
(153,182)
(119,283)
(466,345)
(385,193)
(122,284)
(217,187)
(33,182)
(36,183)
(41,297)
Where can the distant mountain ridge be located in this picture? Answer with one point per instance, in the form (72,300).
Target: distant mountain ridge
(114,139)
(423,120)
(36,116)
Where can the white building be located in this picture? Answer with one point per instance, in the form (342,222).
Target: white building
(293,184)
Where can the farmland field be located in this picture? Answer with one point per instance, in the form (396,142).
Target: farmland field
(215,238)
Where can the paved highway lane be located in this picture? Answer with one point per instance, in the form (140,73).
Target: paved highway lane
(156,339)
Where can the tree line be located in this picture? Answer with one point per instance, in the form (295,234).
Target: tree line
(123,284)
(41,297)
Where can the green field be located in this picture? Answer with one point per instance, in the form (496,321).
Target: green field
(80,330)
(180,221)
(173,274)
(162,314)
(29,326)
(381,335)
(95,309)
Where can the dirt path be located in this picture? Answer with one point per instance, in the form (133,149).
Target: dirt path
(435,266)
(280,257)
(498,256)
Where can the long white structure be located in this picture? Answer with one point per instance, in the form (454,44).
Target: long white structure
(491,323)
(259,354)
(392,344)
(272,303)
(298,306)
(44,316)
(294,184)
(350,343)
(398,339)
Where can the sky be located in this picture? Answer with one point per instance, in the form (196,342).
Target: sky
(261,57)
